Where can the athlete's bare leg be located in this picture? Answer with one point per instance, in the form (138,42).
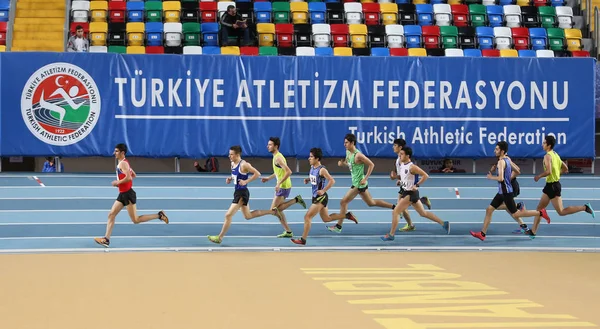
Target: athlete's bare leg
(132,211)
(277,201)
(112,215)
(426,214)
(368,199)
(402,205)
(312,212)
(233,208)
(350,195)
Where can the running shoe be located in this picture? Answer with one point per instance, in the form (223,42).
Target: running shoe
(478,235)
(214,239)
(425,200)
(590,210)
(407,228)
(162,216)
(286,234)
(351,217)
(335,229)
(300,201)
(299,241)
(447,227)
(104,242)
(388,237)
(544,215)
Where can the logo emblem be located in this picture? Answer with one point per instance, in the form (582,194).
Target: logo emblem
(60,104)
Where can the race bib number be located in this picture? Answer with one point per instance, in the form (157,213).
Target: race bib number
(234,179)
(313,179)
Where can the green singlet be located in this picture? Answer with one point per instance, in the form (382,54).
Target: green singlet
(357,170)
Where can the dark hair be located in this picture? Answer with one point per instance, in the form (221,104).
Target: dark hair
(230,7)
(275,141)
(400,142)
(503,146)
(78,27)
(237,149)
(121,147)
(550,141)
(317,153)
(351,138)
(408,151)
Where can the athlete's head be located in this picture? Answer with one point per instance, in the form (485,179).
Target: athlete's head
(235,153)
(501,149)
(399,143)
(349,141)
(548,143)
(120,151)
(405,154)
(273,144)
(315,156)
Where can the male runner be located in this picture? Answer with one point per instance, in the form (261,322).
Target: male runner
(318,175)
(399,143)
(553,167)
(241,195)
(356,162)
(126,198)
(409,193)
(282,188)
(505,193)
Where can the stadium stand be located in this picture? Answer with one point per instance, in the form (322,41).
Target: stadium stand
(489,28)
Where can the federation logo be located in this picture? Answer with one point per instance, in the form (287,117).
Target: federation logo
(60,104)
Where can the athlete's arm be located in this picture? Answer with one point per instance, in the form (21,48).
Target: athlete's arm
(288,171)
(501,167)
(516,171)
(249,168)
(415,170)
(564,168)
(548,164)
(363,158)
(330,181)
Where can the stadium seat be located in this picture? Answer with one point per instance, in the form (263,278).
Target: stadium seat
(485,37)
(380,51)
(136,50)
(478,15)
(407,14)
(460,15)
(117,49)
(565,17)
(490,52)
(520,37)
(401,52)
(419,52)
(503,37)
(472,53)
(509,53)
(539,3)
(285,35)
(303,35)
(154,34)
(190,11)
(548,16)
(135,11)
(135,34)
(171,11)
(573,37)
(317,12)
(342,51)
(80,11)
(358,35)
(98,11)
(539,39)
(466,37)
(192,50)
(512,15)
(413,36)
(324,51)
(449,35)
(454,53)
(173,34)
(208,12)
(116,11)
(395,36)
(230,50)
(267,51)
(98,49)
(154,11)
(424,14)
(339,34)
(98,31)
(305,51)
(266,34)
(580,53)
(431,36)
(435,52)
(495,15)
(544,53)
(281,12)
(210,33)
(191,34)
(371,13)
(556,38)
(529,17)
(299,12)
(249,51)
(389,13)
(4,10)
(155,50)
(262,12)
(321,35)
(526,53)
(211,50)
(442,14)
(222,8)
(376,35)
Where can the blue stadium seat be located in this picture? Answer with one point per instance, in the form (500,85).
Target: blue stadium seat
(472,53)
(211,50)
(135,11)
(495,15)
(485,36)
(527,53)
(154,34)
(4,10)
(424,14)
(380,51)
(263,10)
(210,33)
(413,36)
(539,38)
(317,12)
(323,51)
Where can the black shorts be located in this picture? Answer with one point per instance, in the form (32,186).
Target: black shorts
(361,189)
(127,198)
(516,187)
(414,195)
(508,199)
(323,199)
(552,190)
(241,194)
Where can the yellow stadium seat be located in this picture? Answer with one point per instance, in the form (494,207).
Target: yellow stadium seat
(299,12)
(230,50)
(455,2)
(135,34)
(266,34)
(2,49)
(171,11)
(358,35)
(573,37)
(98,31)
(342,51)
(98,10)
(420,2)
(509,53)
(389,13)
(523,3)
(136,50)
(367,1)
(417,52)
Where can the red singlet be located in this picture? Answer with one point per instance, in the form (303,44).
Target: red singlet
(120,175)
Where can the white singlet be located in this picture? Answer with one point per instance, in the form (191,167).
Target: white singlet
(407,179)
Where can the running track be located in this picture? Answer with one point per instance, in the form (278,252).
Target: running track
(70,210)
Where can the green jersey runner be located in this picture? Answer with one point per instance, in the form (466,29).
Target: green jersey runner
(357,170)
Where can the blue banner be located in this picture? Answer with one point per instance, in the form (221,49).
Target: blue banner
(197,106)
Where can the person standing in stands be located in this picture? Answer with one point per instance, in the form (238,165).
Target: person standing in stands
(232,24)
(77,43)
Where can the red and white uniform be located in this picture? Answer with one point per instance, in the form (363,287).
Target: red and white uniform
(120,175)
